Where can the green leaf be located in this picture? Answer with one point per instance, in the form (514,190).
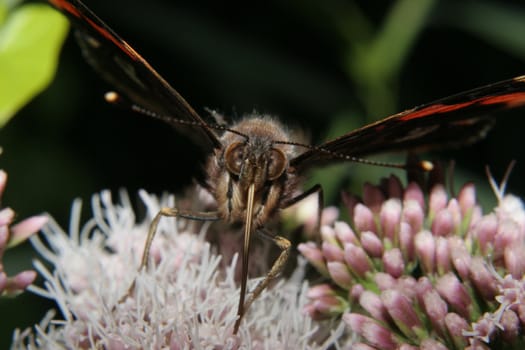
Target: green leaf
(386,53)
(30,40)
(375,65)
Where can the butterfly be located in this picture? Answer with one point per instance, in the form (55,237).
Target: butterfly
(255,167)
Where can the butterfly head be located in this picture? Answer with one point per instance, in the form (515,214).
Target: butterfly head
(250,156)
(255,162)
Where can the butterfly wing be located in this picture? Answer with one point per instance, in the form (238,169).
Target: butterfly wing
(130,74)
(453,121)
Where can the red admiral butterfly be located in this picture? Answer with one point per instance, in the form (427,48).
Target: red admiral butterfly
(254,167)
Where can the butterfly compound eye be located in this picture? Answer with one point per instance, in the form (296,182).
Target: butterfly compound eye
(276,164)
(234,157)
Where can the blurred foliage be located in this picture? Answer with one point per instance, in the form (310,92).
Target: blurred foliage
(30,40)
(321,66)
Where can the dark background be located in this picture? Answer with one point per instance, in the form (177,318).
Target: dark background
(288,59)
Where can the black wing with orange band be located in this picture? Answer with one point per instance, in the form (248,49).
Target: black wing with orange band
(131,75)
(452,121)
(456,120)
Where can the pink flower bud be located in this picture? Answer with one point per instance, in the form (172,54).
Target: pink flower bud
(455,211)
(375,334)
(485,231)
(372,197)
(423,286)
(393,262)
(320,290)
(413,214)
(402,312)
(456,295)
(314,255)
(344,233)
(371,244)
(406,285)
(373,304)
(425,250)
(328,234)
(3,182)
(406,241)
(413,193)
(483,278)
(394,187)
(456,326)
(508,233)
(24,229)
(6,216)
(340,274)
(355,292)
(384,281)
(324,302)
(390,217)
(23,279)
(357,260)
(459,256)
(442,255)
(467,198)
(514,257)
(443,224)
(328,216)
(314,313)
(331,251)
(436,310)
(364,218)
(350,201)
(438,199)
(475,217)
(329,305)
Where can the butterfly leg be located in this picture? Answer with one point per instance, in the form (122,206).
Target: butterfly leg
(166,212)
(171,212)
(278,266)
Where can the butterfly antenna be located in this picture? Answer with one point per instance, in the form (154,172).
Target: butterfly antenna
(116,99)
(424,165)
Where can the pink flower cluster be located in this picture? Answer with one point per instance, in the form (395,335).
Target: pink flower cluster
(414,273)
(11,236)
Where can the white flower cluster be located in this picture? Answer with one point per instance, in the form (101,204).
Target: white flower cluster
(183,300)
